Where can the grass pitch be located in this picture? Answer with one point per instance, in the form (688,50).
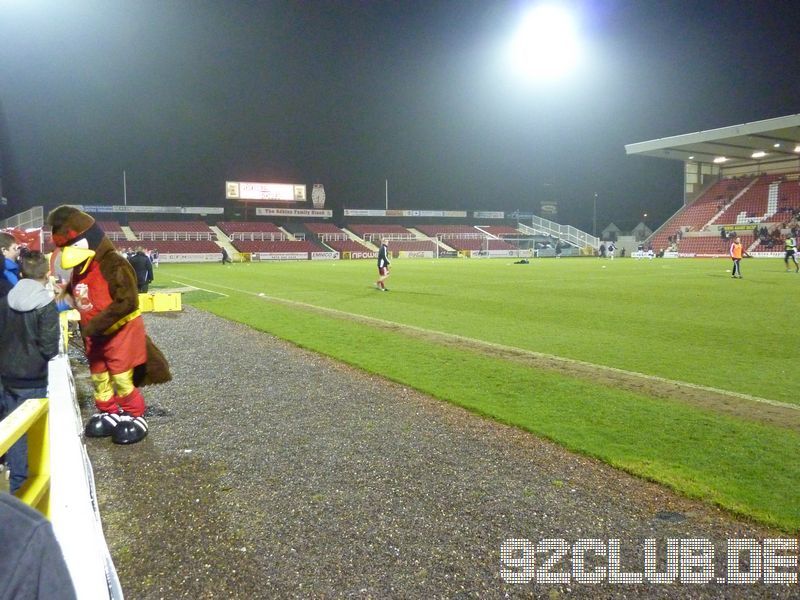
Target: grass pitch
(493,337)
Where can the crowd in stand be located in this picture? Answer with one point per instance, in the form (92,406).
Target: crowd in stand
(774,238)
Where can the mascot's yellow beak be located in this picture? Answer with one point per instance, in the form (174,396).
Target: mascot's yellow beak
(72,256)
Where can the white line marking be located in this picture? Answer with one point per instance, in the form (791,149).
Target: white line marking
(199,288)
(512,349)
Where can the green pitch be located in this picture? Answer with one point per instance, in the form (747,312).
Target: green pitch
(491,336)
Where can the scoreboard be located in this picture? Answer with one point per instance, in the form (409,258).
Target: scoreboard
(265,192)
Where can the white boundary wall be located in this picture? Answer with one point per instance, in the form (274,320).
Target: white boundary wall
(73,501)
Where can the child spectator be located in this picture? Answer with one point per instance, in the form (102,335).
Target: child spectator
(10,249)
(29,338)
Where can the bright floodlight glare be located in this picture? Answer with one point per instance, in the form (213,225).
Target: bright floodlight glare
(546,44)
(758,154)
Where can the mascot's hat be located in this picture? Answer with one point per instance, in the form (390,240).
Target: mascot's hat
(77,233)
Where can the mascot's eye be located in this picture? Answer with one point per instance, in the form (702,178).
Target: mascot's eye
(81,243)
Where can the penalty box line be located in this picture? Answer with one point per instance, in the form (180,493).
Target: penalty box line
(493,345)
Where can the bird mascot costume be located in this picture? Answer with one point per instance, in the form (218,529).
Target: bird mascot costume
(121,357)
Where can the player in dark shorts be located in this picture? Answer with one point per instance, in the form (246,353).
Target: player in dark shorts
(383,265)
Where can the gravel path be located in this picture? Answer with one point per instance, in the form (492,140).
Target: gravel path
(273,472)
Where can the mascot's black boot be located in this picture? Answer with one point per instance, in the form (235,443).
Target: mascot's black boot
(129,430)
(101,425)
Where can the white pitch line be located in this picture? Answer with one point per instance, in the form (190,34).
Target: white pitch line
(512,349)
(199,288)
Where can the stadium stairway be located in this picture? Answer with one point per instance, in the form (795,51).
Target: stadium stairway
(289,235)
(129,235)
(223,241)
(421,236)
(355,238)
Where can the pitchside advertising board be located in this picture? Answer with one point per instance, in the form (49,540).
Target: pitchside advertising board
(257,256)
(172,257)
(129,208)
(359,212)
(460,214)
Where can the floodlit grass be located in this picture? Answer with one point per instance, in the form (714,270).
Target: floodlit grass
(683,320)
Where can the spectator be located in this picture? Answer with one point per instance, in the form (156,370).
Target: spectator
(226,258)
(33,565)
(29,336)
(10,249)
(143,268)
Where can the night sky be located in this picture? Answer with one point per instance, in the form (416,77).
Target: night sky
(184,95)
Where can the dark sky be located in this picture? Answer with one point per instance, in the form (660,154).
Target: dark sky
(184,95)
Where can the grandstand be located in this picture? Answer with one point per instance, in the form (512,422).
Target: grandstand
(245,230)
(289,248)
(112,229)
(739,205)
(338,240)
(168,247)
(374,233)
(697,216)
(412,246)
(451,231)
(500,230)
(743,178)
(478,244)
(171,230)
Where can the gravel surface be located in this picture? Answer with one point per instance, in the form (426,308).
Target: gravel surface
(273,472)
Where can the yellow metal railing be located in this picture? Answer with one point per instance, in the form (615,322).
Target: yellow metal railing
(32,417)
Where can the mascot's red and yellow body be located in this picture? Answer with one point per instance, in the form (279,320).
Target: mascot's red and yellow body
(121,357)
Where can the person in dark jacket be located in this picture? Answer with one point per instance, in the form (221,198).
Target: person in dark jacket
(29,338)
(383,265)
(143,268)
(33,565)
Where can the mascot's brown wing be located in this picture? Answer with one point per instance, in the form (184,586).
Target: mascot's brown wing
(155,370)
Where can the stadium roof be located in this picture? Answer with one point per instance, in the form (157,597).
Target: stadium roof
(739,145)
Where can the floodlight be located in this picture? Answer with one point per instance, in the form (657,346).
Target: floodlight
(546,44)
(720,159)
(758,154)
(797,148)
